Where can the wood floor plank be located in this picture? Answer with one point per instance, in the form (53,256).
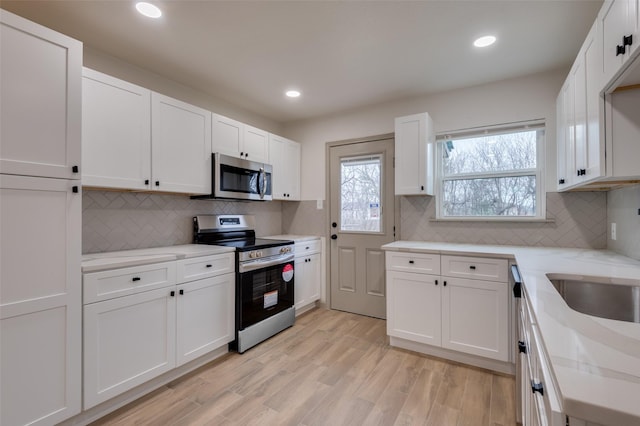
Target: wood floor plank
(330,368)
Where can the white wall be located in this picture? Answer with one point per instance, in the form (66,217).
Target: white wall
(506,101)
(125,71)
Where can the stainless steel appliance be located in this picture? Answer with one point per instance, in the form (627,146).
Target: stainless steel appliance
(239,179)
(264,276)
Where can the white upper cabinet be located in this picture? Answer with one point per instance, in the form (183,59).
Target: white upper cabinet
(619,20)
(237,139)
(116,132)
(40,72)
(284,156)
(414,161)
(141,140)
(181,146)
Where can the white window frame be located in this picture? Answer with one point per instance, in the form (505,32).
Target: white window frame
(539,172)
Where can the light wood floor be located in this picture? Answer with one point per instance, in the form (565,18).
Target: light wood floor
(331,368)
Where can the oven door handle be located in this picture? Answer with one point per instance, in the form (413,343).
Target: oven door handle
(252,265)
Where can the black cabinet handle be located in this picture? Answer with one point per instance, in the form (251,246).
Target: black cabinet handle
(537,387)
(134,279)
(146,181)
(181,291)
(173,293)
(620,50)
(75,189)
(74,169)
(157,183)
(472,267)
(627,40)
(522,348)
(421,187)
(411,262)
(436,282)
(209,266)
(444,283)
(561,181)
(517,282)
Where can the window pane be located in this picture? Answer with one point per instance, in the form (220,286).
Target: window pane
(500,152)
(499,196)
(360,204)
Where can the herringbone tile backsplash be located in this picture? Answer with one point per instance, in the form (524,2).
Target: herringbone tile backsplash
(124,220)
(577,219)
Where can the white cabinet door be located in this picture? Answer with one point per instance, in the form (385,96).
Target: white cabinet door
(561,141)
(116,133)
(414,162)
(256,144)
(414,307)
(181,146)
(239,140)
(612,17)
(205,316)
(40,116)
(594,163)
(284,156)
(307,281)
(127,341)
(475,317)
(40,300)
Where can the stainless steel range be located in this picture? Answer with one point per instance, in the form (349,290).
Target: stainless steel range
(264,276)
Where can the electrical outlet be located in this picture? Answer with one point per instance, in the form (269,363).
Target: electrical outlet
(613,231)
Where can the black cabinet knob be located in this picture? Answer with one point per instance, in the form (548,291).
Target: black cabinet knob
(146,181)
(157,183)
(472,267)
(209,266)
(74,169)
(172,294)
(537,387)
(627,40)
(522,348)
(561,181)
(620,50)
(334,237)
(436,282)
(181,291)
(444,283)
(246,155)
(411,262)
(242,154)
(75,189)
(135,279)
(421,187)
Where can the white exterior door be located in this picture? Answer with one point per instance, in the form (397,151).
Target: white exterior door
(40,300)
(181,146)
(116,133)
(40,77)
(362,220)
(205,316)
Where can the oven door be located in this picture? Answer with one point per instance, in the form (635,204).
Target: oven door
(265,288)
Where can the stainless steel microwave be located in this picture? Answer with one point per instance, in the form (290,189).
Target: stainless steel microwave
(239,179)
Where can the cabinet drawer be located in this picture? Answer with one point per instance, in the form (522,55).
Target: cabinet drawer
(121,282)
(308,247)
(478,268)
(424,263)
(204,267)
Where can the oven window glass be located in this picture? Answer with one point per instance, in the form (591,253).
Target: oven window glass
(265,292)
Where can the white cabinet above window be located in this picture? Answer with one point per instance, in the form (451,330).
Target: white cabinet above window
(414,161)
(239,140)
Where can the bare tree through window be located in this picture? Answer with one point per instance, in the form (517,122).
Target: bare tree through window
(360,194)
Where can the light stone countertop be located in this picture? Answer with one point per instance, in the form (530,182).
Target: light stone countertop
(595,362)
(94,262)
(295,238)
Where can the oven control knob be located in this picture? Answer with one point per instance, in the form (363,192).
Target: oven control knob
(252,255)
(259,253)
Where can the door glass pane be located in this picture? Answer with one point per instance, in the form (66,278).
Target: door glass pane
(360,202)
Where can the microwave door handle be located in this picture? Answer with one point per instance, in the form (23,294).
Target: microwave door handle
(262,177)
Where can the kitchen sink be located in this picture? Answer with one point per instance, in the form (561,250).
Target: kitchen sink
(600,296)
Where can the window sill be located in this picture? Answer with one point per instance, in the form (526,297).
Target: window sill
(492,220)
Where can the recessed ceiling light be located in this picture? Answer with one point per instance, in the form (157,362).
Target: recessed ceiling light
(148,9)
(484,41)
(293,93)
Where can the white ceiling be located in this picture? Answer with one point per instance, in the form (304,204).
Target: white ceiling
(341,55)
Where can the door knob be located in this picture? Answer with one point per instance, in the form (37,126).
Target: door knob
(334,225)
(334,237)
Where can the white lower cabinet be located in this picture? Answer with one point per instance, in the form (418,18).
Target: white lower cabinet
(205,316)
(170,314)
(462,315)
(127,341)
(308,270)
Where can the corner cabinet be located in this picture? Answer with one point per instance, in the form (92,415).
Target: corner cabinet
(239,140)
(456,307)
(141,140)
(40,224)
(414,155)
(284,156)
